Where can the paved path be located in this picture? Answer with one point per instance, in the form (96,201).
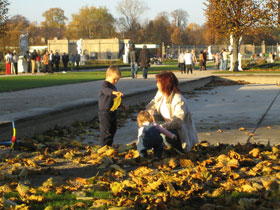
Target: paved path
(14,103)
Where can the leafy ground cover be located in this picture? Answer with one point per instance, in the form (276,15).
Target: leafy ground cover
(55,171)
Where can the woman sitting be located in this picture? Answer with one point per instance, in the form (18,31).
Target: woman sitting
(171,105)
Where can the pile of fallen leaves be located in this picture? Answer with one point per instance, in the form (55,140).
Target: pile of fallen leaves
(208,177)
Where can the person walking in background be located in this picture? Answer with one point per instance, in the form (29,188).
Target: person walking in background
(46,62)
(56,61)
(38,62)
(65,60)
(188,61)
(12,64)
(181,63)
(144,60)
(217,60)
(72,61)
(201,60)
(33,61)
(225,59)
(8,63)
(28,59)
(51,60)
(221,65)
(15,62)
(77,59)
(194,60)
(133,61)
(204,59)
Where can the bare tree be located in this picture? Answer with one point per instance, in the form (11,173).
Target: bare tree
(180,18)
(131,11)
(3,16)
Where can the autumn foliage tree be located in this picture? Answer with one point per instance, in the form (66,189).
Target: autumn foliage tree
(91,23)
(54,18)
(238,18)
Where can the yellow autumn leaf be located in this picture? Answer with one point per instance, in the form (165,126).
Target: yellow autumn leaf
(50,161)
(29,162)
(269,183)
(49,208)
(275,150)
(116,188)
(152,186)
(172,163)
(37,198)
(110,152)
(255,152)
(186,163)
(22,190)
(233,163)
(103,149)
(247,188)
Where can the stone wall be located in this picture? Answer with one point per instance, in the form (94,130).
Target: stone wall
(60,46)
(94,48)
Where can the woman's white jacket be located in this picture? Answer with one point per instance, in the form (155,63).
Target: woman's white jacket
(180,117)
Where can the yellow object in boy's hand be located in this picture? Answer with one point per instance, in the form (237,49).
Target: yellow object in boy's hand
(117,103)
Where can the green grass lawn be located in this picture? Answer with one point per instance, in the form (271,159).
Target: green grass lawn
(14,83)
(253,68)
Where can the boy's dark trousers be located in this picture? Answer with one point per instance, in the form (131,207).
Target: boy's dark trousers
(107,125)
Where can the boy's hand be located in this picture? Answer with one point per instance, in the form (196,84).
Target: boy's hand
(117,93)
(123,107)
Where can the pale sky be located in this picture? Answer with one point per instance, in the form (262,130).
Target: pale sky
(33,9)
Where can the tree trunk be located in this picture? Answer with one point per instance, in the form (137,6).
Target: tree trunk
(279,12)
(235,53)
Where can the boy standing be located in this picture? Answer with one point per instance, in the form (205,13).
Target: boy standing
(108,118)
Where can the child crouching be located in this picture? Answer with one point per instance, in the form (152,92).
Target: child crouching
(149,135)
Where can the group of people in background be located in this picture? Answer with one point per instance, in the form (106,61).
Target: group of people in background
(11,60)
(269,57)
(47,62)
(187,61)
(221,59)
(141,60)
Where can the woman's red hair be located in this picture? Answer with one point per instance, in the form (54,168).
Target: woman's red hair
(168,81)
